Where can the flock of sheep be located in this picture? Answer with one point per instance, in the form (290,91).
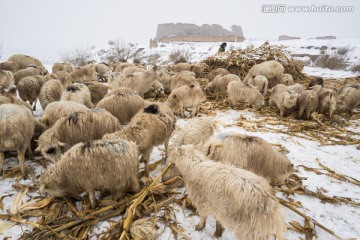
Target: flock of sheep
(96,127)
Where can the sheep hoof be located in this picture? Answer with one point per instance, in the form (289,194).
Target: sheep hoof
(199,227)
(163,161)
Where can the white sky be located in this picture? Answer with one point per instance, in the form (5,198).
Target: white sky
(31,25)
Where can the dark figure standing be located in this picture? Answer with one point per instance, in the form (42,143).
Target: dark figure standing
(222,47)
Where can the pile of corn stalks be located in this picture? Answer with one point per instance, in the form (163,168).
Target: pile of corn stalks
(241,61)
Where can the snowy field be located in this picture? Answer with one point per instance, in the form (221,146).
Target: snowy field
(342,218)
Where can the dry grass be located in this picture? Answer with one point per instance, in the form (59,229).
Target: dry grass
(121,51)
(333,61)
(79,57)
(356,68)
(180,56)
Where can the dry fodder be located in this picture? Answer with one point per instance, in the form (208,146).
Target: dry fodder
(239,62)
(180,56)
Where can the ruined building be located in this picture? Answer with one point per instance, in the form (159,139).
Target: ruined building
(185,32)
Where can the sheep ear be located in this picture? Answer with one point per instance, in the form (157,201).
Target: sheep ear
(61,144)
(37,149)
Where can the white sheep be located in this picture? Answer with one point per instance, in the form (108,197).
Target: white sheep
(187,96)
(183,78)
(327,101)
(78,92)
(250,153)
(104,165)
(284,101)
(261,83)
(219,84)
(286,79)
(239,200)
(348,97)
(239,92)
(123,103)
(308,103)
(272,70)
(17,125)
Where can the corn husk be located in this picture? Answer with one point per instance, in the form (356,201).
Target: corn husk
(143,229)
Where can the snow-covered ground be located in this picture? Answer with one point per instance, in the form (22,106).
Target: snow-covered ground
(343,219)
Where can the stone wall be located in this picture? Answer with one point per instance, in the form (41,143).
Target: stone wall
(187,29)
(230,38)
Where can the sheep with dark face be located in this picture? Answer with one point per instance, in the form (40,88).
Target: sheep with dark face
(102,165)
(78,92)
(246,203)
(149,128)
(74,128)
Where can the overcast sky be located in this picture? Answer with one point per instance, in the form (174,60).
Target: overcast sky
(30,25)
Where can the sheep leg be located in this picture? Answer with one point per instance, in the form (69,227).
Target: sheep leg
(145,158)
(281,112)
(29,151)
(181,108)
(2,156)
(201,225)
(219,230)
(92,198)
(134,185)
(21,158)
(308,113)
(166,144)
(301,111)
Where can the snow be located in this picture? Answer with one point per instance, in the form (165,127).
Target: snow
(343,219)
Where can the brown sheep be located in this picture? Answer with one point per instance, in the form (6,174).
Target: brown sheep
(72,129)
(217,72)
(30,71)
(250,153)
(272,70)
(29,89)
(97,91)
(50,92)
(14,100)
(123,103)
(165,78)
(104,165)
(239,92)
(7,84)
(187,96)
(17,125)
(316,81)
(83,74)
(198,68)
(64,78)
(67,67)
(78,92)
(59,109)
(308,102)
(239,200)
(24,61)
(149,128)
(9,66)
